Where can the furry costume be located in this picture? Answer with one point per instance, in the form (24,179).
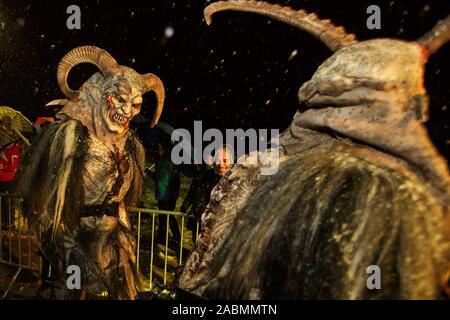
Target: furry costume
(359,184)
(81,174)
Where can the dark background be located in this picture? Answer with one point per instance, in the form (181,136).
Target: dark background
(236,73)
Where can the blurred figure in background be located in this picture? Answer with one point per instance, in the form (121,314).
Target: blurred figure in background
(167,181)
(158,145)
(223,161)
(199,193)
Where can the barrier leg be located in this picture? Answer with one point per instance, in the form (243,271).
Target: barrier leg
(181,241)
(10,229)
(1,228)
(138,241)
(196,233)
(19,234)
(151,251)
(167,246)
(12,282)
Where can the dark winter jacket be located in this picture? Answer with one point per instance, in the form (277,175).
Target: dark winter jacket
(199,192)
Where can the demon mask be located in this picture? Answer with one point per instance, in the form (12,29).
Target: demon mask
(109,100)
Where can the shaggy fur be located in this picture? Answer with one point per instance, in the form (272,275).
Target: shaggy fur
(49,189)
(335,214)
(360,184)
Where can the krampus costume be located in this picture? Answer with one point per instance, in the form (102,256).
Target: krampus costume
(81,173)
(359,184)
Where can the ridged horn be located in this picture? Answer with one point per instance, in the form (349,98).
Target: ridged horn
(86,54)
(436,37)
(334,37)
(153,83)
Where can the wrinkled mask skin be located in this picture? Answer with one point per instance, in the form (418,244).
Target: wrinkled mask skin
(381,65)
(111,98)
(121,102)
(370,91)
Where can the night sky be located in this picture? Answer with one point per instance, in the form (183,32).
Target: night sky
(238,73)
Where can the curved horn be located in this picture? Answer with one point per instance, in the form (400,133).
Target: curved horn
(334,37)
(90,54)
(153,83)
(437,37)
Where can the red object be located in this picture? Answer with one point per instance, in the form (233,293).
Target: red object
(9,162)
(110,102)
(42,120)
(424,53)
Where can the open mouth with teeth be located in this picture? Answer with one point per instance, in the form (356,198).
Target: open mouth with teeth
(120,119)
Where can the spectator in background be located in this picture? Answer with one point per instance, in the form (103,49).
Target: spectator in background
(199,193)
(158,146)
(167,191)
(223,161)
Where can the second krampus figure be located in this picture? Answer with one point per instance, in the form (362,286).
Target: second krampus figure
(359,184)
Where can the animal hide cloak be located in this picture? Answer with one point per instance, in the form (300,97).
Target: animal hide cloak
(312,230)
(360,184)
(50,180)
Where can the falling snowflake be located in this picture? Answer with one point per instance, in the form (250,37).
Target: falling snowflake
(20,22)
(169,32)
(293,54)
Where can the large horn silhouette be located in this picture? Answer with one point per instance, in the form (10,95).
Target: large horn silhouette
(334,37)
(437,37)
(90,54)
(153,83)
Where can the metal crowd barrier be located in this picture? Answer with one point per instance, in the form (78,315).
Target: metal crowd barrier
(19,247)
(153,213)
